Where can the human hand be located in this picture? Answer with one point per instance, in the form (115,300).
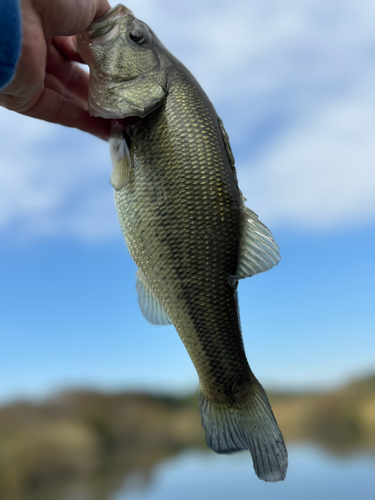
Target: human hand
(48,84)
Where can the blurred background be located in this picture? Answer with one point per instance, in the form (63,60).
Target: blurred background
(98,404)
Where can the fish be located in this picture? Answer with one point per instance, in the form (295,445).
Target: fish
(185,223)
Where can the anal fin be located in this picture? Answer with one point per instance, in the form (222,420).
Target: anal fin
(151,307)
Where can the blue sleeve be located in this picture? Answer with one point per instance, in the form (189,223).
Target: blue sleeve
(10,39)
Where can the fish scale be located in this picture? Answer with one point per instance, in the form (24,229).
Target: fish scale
(185,224)
(207,257)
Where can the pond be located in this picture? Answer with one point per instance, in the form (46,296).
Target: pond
(313,475)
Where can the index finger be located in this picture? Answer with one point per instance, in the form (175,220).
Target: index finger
(67,45)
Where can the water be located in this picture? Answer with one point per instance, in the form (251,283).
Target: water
(312,475)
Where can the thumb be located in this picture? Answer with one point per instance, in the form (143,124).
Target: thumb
(68,17)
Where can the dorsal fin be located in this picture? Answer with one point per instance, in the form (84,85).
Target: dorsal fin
(258,251)
(229,152)
(226,141)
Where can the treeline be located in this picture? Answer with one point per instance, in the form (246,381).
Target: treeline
(342,421)
(93,440)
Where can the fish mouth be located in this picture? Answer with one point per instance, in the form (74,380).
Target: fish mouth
(103,30)
(106,22)
(114,13)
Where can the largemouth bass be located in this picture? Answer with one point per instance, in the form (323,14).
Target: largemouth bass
(185,224)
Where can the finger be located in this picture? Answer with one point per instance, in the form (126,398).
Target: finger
(67,45)
(55,107)
(74,78)
(61,75)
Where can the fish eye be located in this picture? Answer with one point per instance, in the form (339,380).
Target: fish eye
(136,36)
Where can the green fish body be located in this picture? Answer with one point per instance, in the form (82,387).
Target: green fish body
(185,224)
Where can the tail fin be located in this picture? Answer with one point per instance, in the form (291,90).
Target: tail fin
(248,425)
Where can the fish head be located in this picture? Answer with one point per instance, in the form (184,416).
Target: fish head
(127,77)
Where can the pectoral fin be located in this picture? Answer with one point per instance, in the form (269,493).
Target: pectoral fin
(151,307)
(121,161)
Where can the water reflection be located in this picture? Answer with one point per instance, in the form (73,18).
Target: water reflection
(313,474)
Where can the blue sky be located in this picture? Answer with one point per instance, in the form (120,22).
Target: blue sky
(294,84)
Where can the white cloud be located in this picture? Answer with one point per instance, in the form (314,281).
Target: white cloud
(320,173)
(289,79)
(53,181)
